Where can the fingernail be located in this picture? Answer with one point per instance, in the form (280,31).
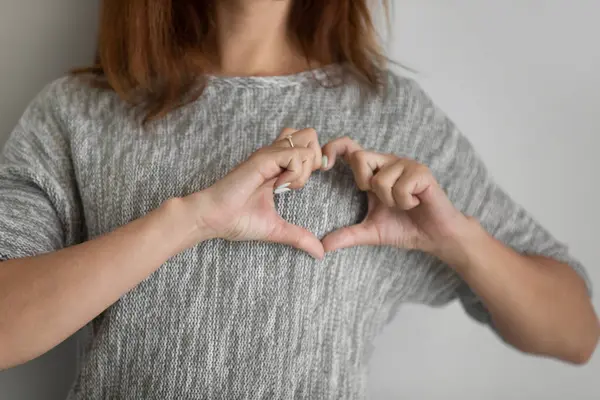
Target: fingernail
(324,162)
(282,190)
(285,185)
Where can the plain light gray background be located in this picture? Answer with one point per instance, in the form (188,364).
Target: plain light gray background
(511,73)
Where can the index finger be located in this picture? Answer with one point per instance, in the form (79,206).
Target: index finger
(343,147)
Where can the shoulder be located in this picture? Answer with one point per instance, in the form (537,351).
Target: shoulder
(425,131)
(60,94)
(55,113)
(407,97)
(53,103)
(40,133)
(66,100)
(402,104)
(395,97)
(397,85)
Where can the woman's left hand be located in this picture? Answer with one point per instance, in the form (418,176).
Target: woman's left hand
(407,207)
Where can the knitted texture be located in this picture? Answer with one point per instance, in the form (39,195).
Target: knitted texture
(227,320)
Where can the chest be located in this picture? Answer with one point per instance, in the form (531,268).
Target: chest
(124,173)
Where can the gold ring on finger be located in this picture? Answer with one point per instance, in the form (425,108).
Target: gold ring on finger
(289,139)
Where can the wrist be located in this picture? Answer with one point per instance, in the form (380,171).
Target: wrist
(458,249)
(184,217)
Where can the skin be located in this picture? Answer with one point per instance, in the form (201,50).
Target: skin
(538,305)
(51,287)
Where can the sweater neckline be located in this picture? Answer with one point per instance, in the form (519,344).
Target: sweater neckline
(326,73)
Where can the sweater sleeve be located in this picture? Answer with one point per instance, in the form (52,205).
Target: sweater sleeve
(40,209)
(464,177)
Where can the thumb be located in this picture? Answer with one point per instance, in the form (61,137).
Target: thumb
(297,237)
(362,234)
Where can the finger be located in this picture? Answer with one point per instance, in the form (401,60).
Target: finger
(308,138)
(383,182)
(307,170)
(302,138)
(413,182)
(285,132)
(297,237)
(313,144)
(268,163)
(339,148)
(298,170)
(283,141)
(365,164)
(356,235)
(272,185)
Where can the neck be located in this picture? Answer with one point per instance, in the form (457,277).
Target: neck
(253,39)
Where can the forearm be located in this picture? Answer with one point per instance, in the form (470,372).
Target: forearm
(538,305)
(45,299)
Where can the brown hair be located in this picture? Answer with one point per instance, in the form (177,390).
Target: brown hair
(151,52)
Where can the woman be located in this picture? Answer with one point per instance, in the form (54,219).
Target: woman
(176,198)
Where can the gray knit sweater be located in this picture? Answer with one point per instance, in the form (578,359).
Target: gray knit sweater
(241,320)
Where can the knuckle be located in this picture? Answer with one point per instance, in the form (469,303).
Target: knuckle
(310,152)
(311,132)
(311,158)
(377,181)
(398,190)
(315,146)
(422,170)
(306,154)
(286,132)
(358,155)
(399,160)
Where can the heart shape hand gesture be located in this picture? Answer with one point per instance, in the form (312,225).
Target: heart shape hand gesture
(407,207)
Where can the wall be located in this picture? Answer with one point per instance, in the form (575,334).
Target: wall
(519,77)
(39,41)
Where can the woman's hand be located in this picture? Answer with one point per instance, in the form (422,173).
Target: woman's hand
(407,208)
(302,138)
(240,207)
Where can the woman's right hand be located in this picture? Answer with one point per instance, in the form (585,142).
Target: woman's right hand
(240,207)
